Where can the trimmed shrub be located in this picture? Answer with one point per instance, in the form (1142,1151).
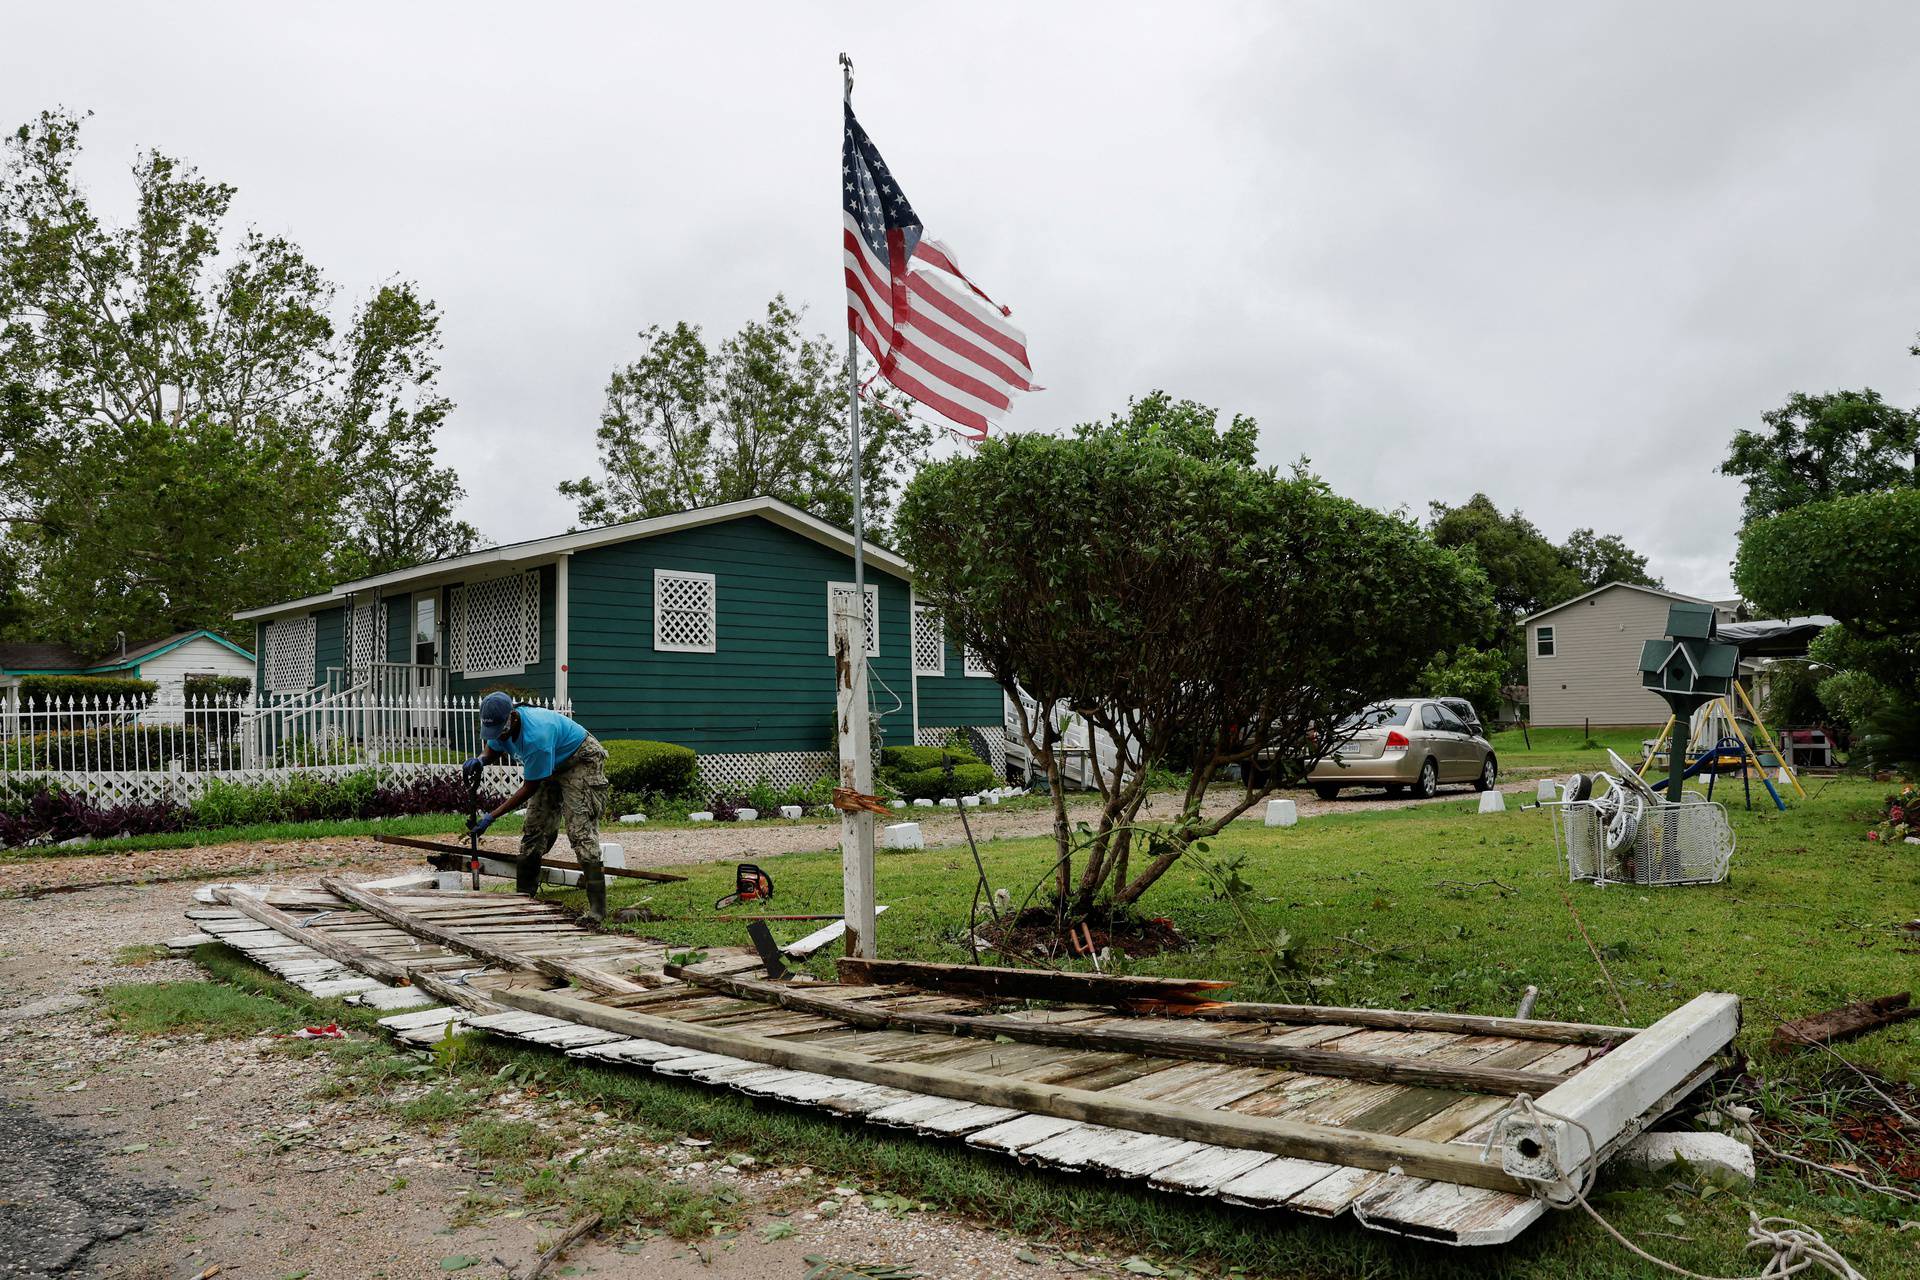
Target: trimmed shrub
(41,690)
(640,766)
(920,759)
(934,784)
(237,688)
(122,746)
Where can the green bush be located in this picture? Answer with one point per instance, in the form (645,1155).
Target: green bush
(236,687)
(124,746)
(920,759)
(934,784)
(41,690)
(643,767)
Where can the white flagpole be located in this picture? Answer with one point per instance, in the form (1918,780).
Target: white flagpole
(851,703)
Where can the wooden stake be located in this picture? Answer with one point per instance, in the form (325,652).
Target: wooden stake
(463,853)
(1420,1158)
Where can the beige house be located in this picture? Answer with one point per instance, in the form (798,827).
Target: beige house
(1583,656)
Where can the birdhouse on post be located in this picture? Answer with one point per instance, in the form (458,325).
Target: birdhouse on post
(1689,669)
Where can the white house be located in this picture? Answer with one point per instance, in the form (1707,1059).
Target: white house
(167,662)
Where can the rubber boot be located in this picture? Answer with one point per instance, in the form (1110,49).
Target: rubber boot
(596,886)
(526,876)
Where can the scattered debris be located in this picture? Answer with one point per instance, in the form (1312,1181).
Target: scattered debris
(1845,1022)
(580,1228)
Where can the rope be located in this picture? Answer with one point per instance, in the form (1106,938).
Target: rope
(1793,1247)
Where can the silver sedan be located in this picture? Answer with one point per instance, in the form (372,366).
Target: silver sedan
(1415,744)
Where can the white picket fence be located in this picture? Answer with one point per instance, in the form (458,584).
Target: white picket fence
(119,750)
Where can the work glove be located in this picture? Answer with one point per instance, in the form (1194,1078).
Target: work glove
(471,770)
(478,826)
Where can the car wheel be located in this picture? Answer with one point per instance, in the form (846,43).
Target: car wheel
(1429,784)
(1489,774)
(1326,790)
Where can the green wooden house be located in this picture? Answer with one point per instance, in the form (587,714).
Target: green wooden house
(708,628)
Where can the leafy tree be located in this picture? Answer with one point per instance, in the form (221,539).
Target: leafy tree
(1852,558)
(1467,672)
(1597,559)
(1819,447)
(1526,572)
(400,502)
(762,413)
(1195,609)
(182,431)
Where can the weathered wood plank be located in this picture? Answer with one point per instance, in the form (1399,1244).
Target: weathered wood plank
(1414,1020)
(1029,984)
(1108,1038)
(592,979)
(326,944)
(1279,1137)
(1848,1020)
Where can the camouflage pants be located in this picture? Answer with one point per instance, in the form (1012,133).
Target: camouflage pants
(574,797)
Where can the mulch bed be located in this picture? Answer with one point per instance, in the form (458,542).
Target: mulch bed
(1036,932)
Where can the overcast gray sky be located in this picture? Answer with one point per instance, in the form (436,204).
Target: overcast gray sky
(1434,247)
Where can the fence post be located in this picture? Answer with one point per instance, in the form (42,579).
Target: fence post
(856,772)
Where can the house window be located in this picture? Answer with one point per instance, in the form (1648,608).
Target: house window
(495,625)
(1543,642)
(684,606)
(976,665)
(367,638)
(929,642)
(289,649)
(838,591)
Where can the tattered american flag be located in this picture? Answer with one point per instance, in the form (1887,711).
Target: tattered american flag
(936,336)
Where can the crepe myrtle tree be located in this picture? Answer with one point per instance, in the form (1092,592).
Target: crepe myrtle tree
(1196,609)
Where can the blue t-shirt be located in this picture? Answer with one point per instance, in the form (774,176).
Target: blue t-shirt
(545,741)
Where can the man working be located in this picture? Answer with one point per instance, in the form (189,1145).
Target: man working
(565,777)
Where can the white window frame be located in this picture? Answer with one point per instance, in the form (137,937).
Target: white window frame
(974,664)
(836,589)
(712,584)
(459,620)
(926,615)
(1544,635)
(303,644)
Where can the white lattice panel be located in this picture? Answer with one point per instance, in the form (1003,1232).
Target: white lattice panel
(781,769)
(112,788)
(929,642)
(839,591)
(496,625)
(367,642)
(975,665)
(290,654)
(684,609)
(990,736)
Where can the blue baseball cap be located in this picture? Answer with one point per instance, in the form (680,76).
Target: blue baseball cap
(494,710)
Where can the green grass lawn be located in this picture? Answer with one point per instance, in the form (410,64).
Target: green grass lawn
(1564,750)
